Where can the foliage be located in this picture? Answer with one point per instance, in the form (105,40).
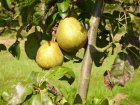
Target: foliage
(121,19)
(52,87)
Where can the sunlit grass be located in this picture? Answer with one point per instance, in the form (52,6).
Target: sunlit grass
(13,70)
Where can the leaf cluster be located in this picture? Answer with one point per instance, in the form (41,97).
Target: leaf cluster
(51,87)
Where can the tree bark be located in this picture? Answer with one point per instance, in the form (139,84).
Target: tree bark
(88,58)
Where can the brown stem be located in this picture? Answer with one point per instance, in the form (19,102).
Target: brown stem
(88,58)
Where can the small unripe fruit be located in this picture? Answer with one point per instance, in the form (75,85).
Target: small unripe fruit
(71,35)
(49,55)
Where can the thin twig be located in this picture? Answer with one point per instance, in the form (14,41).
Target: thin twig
(104,48)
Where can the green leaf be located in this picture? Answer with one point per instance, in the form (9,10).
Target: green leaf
(41,99)
(32,44)
(86,7)
(5,20)
(26,11)
(4,3)
(96,101)
(63,7)
(104,102)
(36,100)
(22,90)
(32,78)
(99,101)
(63,86)
(114,26)
(43,85)
(36,18)
(36,78)
(64,102)
(76,57)
(130,38)
(62,73)
(50,22)
(58,77)
(68,56)
(14,49)
(45,98)
(5,96)
(26,15)
(78,99)
(135,55)
(71,95)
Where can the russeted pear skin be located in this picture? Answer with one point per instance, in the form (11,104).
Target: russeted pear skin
(71,35)
(49,55)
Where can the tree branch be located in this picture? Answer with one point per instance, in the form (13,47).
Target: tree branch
(104,48)
(88,58)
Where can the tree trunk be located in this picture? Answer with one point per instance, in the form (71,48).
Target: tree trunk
(88,58)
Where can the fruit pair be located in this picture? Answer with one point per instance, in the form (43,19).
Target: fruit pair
(70,35)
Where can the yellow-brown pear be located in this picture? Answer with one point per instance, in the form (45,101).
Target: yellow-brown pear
(71,35)
(49,55)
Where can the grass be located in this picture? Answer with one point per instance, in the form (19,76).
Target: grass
(12,71)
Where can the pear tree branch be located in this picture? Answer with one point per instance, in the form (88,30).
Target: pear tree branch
(104,48)
(88,58)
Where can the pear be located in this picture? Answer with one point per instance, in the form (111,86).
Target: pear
(71,35)
(49,55)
